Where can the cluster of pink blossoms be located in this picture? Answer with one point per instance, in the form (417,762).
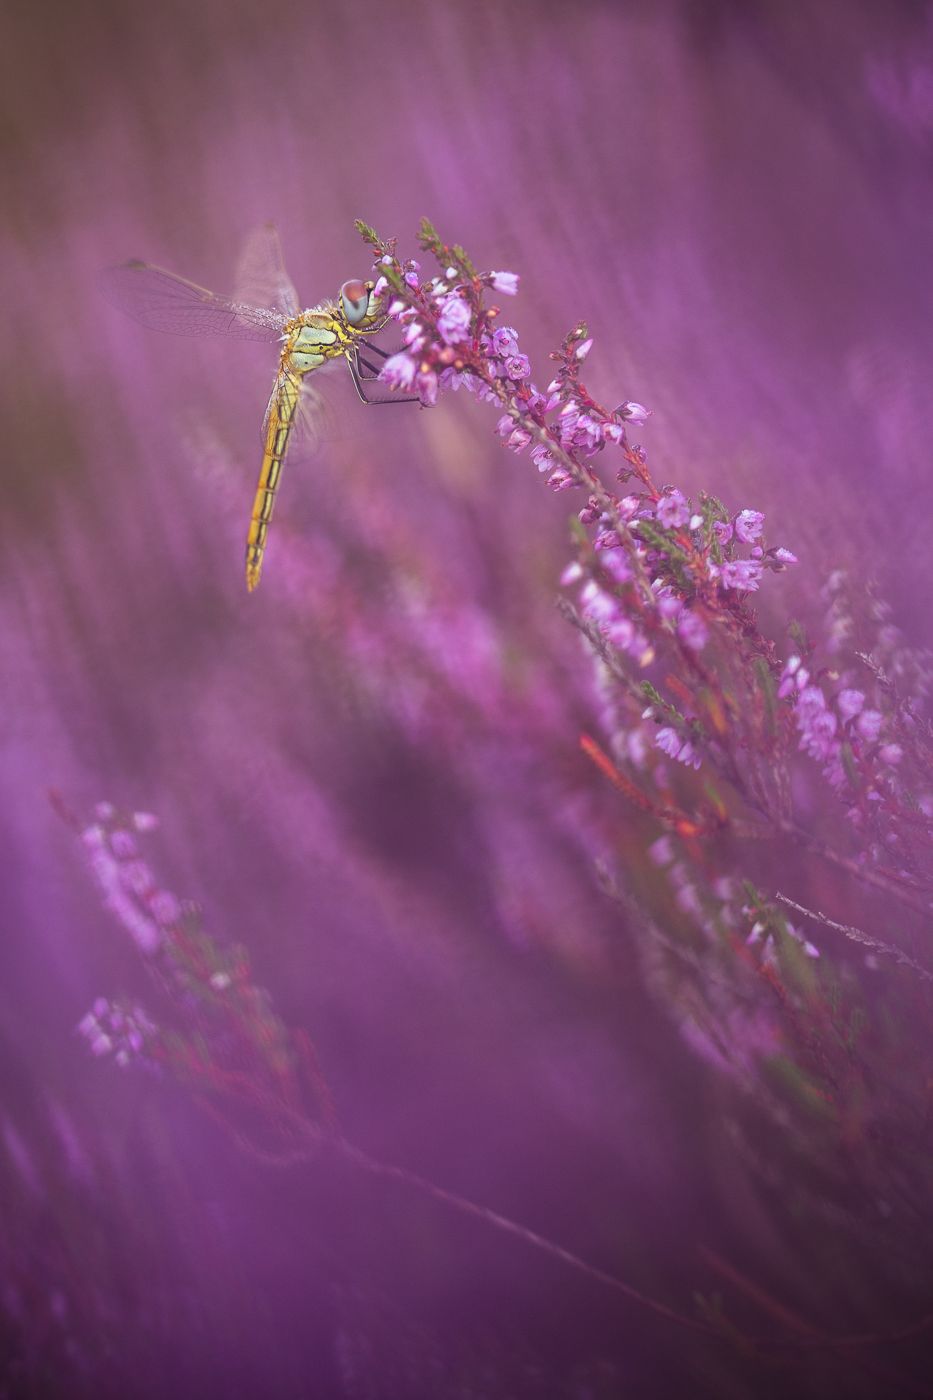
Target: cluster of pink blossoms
(128,885)
(825,725)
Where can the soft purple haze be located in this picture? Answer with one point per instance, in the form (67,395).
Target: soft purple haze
(368,771)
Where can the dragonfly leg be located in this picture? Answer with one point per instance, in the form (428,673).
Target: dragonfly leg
(359,379)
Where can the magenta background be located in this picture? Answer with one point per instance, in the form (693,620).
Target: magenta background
(366,771)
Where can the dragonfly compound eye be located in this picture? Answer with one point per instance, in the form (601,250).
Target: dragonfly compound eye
(354,298)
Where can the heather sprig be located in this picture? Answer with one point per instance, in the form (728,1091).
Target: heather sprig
(659,577)
(211,1026)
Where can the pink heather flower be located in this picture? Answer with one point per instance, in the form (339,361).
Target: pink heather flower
(670,742)
(748,525)
(518,367)
(672,510)
(633,412)
(426,384)
(583,350)
(542,458)
(669,605)
(505,282)
(869,724)
(105,811)
(454,321)
(891,753)
(560,480)
(661,852)
(784,556)
(572,574)
(597,604)
(621,633)
(793,677)
(722,529)
(849,703)
(399,371)
(741,573)
(505,341)
(455,379)
(617,564)
(413,336)
(516,436)
(145,821)
(692,630)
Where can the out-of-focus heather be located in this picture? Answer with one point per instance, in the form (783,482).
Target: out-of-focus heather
(363,770)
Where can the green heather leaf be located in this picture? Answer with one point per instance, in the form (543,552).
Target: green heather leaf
(368,234)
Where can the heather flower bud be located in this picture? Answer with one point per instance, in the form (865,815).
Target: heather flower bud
(633,412)
(505,282)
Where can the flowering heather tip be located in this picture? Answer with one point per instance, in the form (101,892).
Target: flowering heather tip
(504,282)
(784,557)
(723,530)
(399,371)
(748,525)
(672,510)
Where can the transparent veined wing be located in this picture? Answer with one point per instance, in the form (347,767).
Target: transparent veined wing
(163,302)
(261,279)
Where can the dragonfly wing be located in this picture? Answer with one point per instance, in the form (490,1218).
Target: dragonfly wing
(163,302)
(261,279)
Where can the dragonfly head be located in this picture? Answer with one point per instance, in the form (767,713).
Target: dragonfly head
(357,304)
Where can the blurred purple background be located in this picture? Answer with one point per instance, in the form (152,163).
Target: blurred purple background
(368,771)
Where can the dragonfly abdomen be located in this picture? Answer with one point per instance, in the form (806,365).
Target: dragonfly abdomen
(278,430)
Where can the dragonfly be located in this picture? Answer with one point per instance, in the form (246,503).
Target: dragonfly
(265,307)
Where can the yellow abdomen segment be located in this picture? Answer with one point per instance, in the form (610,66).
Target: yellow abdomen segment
(278,428)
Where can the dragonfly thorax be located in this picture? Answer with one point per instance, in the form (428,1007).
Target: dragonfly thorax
(313,338)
